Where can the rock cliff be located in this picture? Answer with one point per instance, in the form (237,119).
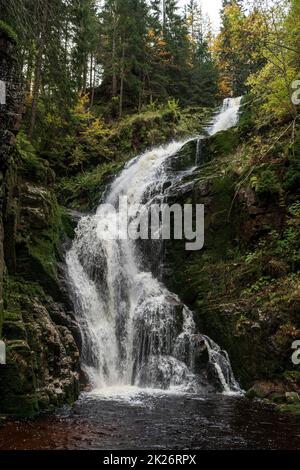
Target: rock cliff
(36,323)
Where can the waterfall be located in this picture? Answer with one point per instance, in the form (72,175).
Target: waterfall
(227,117)
(198,159)
(134,331)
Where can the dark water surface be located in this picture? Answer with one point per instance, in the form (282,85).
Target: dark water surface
(156,421)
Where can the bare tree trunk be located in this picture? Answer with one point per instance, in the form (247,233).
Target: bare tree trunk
(29,73)
(164,16)
(141,93)
(93,85)
(114,75)
(66,40)
(91,70)
(38,72)
(122,82)
(84,74)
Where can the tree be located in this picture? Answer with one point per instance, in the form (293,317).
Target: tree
(124,28)
(202,74)
(272,84)
(236,47)
(85,41)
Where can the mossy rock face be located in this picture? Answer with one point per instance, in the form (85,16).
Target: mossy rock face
(221,144)
(14,329)
(31,167)
(185,157)
(126,139)
(84,192)
(17,375)
(293,409)
(39,237)
(19,406)
(42,357)
(242,290)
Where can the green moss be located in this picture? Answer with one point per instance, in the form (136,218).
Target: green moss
(18,345)
(244,284)
(68,224)
(221,144)
(17,377)
(28,353)
(16,291)
(292,376)
(290,408)
(8,31)
(42,251)
(30,165)
(278,398)
(39,243)
(84,190)
(125,139)
(23,406)
(14,329)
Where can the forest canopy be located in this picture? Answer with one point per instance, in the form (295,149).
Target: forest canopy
(124,56)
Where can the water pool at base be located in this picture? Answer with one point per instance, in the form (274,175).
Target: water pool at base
(129,418)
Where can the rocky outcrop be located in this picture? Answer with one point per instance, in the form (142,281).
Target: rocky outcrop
(11,109)
(36,322)
(42,368)
(244,294)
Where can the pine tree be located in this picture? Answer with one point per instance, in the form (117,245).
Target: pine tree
(85,40)
(202,74)
(124,28)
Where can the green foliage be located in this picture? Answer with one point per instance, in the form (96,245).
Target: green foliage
(293,409)
(9,31)
(253,257)
(291,179)
(277,252)
(125,138)
(262,282)
(84,191)
(294,209)
(266,183)
(237,47)
(272,83)
(157,61)
(30,165)
(15,293)
(76,143)
(275,90)
(173,105)
(287,245)
(247,116)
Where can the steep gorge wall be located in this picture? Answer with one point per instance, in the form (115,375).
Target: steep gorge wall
(11,110)
(243,290)
(37,326)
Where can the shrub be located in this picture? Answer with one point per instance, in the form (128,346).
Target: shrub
(265,183)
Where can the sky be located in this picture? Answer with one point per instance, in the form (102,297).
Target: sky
(212,7)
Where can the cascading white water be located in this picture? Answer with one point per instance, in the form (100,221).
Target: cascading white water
(134,331)
(227,117)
